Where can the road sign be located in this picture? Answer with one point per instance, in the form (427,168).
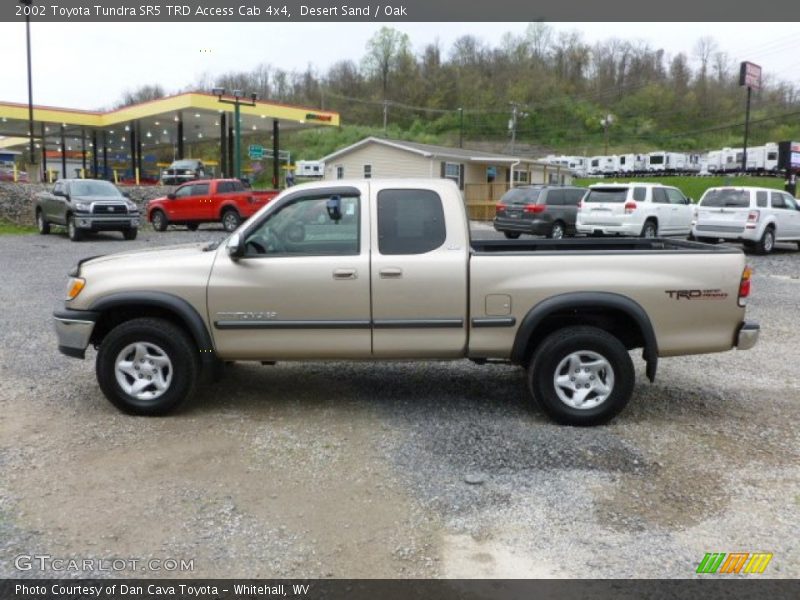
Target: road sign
(256,152)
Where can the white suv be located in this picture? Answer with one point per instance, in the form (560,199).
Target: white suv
(758,217)
(634,209)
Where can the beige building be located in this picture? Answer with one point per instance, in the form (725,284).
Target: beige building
(483,177)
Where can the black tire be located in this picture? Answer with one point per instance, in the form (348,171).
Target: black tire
(581,342)
(649,229)
(708,240)
(130,234)
(230,220)
(511,235)
(74,233)
(767,242)
(159,220)
(192,226)
(153,334)
(557,231)
(41,223)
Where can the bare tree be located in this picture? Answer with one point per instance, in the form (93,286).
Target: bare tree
(385,50)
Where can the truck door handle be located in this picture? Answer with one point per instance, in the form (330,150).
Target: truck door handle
(345,274)
(391,273)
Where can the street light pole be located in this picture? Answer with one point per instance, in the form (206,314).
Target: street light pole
(237,104)
(28,3)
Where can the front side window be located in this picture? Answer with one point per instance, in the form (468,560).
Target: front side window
(675,197)
(304,227)
(778,200)
(410,222)
(200,189)
(184,192)
(660,196)
(791,203)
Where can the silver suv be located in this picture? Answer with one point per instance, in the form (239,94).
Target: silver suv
(758,217)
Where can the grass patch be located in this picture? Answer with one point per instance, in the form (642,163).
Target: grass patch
(7,228)
(695,187)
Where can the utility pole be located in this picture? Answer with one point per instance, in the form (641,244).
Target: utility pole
(461,128)
(512,124)
(385,115)
(606,121)
(28,4)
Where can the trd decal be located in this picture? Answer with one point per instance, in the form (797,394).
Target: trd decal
(696,294)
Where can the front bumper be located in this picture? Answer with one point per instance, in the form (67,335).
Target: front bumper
(747,336)
(74,330)
(95,222)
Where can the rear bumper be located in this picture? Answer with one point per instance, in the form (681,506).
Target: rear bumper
(746,234)
(74,330)
(747,336)
(624,229)
(523,226)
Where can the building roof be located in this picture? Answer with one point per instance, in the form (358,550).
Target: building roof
(433,151)
(157,119)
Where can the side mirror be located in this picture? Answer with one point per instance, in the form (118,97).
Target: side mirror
(334,207)
(235,247)
(127,195)
(171,196)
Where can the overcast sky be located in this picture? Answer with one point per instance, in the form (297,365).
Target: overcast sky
(89,65)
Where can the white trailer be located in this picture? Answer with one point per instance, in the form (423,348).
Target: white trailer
(657,162)
(714,161)
(309,168)
(631,163)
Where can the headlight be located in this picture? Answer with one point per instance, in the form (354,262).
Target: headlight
(84,206)
(131,205)
(74,287)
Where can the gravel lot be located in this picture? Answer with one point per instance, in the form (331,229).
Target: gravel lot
(394,469)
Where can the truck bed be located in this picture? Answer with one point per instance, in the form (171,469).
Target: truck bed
(597,246)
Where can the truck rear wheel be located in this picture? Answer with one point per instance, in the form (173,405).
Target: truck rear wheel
(41,223)
(147,366)
(230,220)
(511,235)
(581,376)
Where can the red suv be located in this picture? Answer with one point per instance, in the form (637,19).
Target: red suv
(225,201)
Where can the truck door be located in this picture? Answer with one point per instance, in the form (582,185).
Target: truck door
(419,275)
(302,289)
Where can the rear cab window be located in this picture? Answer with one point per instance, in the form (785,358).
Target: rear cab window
(410,222)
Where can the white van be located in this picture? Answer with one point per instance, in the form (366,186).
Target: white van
(757,217)
(634,209)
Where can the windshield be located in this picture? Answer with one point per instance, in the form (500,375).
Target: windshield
(88,188)
(726,198)
(520,196)
(184,164)
(606,195)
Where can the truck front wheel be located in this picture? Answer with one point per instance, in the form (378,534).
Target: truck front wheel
(581,376)
(147,366)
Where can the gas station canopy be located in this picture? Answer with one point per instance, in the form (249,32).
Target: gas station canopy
(174,121)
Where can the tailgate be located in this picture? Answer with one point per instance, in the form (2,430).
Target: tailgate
(721,219)
(604,206)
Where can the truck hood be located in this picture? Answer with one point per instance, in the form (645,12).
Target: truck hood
(156,257)
(181,270)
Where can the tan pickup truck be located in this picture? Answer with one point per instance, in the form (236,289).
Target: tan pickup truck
(385,269)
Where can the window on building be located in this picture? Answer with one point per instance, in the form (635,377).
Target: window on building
(409,222)
(367,171)
(552,178)
(339,172)
(520,177)
(452,171)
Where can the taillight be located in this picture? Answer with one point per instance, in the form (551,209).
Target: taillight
(630,207)
(499,207)
(744,286)
(752,219)
(534,208)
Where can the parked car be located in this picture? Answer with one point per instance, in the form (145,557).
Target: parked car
(758,217)
(8,174)
(538,210)
(86,205)
(340,270)
(634,209)
(207,201)
(181,171)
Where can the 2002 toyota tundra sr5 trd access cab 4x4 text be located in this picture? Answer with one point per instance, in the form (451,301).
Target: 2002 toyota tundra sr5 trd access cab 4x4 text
(386,270)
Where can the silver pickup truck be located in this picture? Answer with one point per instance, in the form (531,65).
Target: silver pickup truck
(386,270)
